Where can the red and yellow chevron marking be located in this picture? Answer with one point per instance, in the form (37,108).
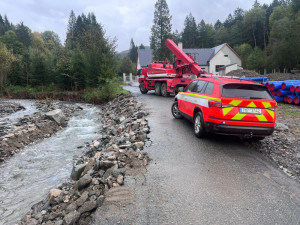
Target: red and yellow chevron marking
(233,113)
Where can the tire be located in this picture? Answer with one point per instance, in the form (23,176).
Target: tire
(175,111)
(158,88)
(198,122)
(164,91)
(142,88)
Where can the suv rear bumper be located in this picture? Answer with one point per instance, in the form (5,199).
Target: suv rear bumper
(238,130)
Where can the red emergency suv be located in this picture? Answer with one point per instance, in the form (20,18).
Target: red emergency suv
(227,106)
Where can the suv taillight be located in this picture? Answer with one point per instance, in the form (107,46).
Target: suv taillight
(218,104)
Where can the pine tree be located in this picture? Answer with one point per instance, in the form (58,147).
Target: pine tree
(70,40)
(161,30)
(189,34)
(142,46)
(24,34)
(132,51)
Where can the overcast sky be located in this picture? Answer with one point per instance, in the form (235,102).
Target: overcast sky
(122,19)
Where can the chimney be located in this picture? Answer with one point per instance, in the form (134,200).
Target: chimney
(180,45)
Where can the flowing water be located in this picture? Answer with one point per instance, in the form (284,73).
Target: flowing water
(27,177)
(14,117)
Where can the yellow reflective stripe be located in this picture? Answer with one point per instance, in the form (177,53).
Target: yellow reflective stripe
(267,104)
(261,117)
(252,105)
(227,110)
(238,116)
(270,112)
(235,102)
(201,96)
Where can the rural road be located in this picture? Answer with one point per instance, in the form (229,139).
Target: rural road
(216,180)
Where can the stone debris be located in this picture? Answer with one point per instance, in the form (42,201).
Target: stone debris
(32,128)
(283,147)
(57,115)
(270,76)
(7,108)
(119,148)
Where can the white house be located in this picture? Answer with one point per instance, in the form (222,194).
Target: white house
(210,59)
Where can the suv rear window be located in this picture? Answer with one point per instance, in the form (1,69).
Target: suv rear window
(245,91)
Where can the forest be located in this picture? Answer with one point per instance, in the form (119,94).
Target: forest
(266,36)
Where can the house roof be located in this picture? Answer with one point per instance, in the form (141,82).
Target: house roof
(200,55)
(145,56)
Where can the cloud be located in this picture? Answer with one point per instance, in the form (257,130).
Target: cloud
(123,19)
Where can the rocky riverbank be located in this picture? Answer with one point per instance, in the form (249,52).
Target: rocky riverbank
(31,128)
(283,147)
(7,108)
(118,149)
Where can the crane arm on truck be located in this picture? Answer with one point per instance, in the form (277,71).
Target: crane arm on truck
(182,56)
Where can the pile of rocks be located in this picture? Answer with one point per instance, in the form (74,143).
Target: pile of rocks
(33,127)
(271,76)
(118,149)
(243,73)
(282,76)
(7,108)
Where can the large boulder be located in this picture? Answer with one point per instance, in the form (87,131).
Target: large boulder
(57,115)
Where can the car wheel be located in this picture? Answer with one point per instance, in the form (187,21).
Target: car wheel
(175,111)
(164,91)
(158,88)
(142,88)
(199,129)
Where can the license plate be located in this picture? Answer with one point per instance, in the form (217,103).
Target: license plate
(250,111)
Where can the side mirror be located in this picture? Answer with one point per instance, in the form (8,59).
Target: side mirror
(180,89)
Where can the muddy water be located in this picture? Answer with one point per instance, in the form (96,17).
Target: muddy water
(27,177)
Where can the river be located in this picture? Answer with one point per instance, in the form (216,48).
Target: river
(27,177)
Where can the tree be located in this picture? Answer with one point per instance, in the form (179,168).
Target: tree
(256,59)
(70,40)
(189,34)
(278,13)
(284,50)
(161,30)
(125,66)
(78,69)
(256,4)
(24,34)
(142,46)
(218,25)
(244,50)
(132,51)
(176,36)
(6,60)
(11,41)
(254,26)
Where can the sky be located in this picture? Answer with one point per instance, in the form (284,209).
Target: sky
(123,19)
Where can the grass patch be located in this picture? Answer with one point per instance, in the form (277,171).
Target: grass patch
(99,95)
(288,110)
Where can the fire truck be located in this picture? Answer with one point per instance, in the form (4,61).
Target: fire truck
(166,78)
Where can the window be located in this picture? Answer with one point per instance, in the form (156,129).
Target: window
(200,86)
(209,88)
(246,91)
(190,87)
(218,67)
(225,55)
